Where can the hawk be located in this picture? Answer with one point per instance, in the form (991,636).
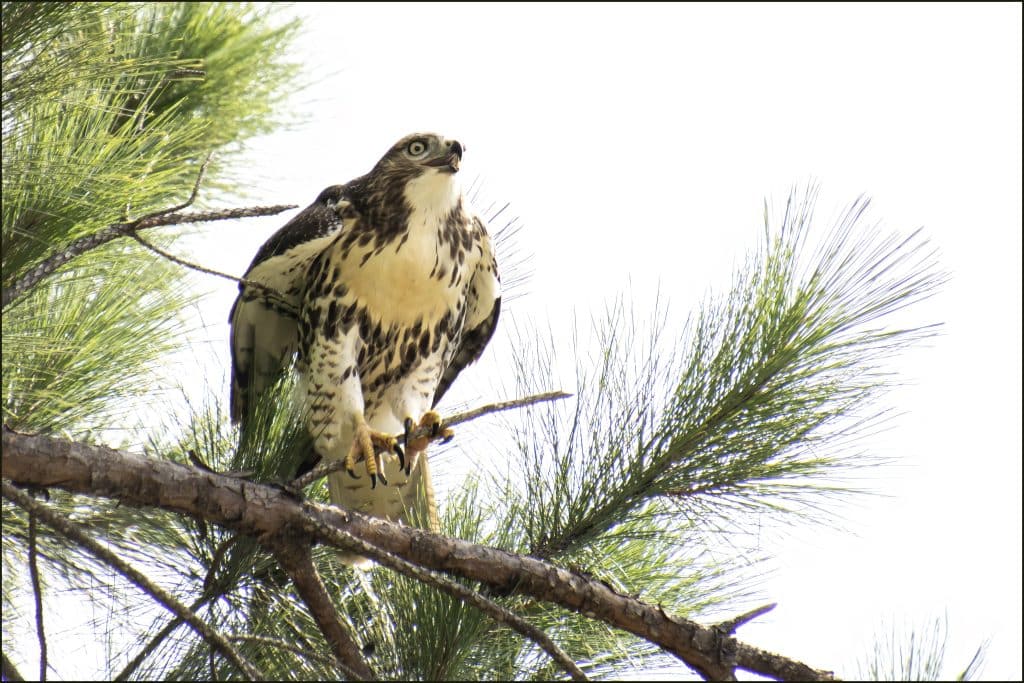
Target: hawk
(382,290)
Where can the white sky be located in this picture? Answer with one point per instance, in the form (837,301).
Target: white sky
(638,143)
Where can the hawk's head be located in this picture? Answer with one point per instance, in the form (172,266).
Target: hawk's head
(418,172)
(421,153)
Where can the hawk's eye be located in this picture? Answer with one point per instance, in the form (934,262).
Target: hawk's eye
(416,148)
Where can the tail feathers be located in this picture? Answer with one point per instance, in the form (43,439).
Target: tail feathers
(403,499)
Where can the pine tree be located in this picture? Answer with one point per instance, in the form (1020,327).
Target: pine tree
(116,118)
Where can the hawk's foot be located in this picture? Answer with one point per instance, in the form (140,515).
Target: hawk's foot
(415,446)
(365,446)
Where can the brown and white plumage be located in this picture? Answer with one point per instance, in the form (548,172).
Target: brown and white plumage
(385,288)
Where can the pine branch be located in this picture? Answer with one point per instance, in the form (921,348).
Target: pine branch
(171,216)
(208,595)
(492,609)
(37,593)
(266,512)
(79,247)
(74,533)
(297,560)
(753,402)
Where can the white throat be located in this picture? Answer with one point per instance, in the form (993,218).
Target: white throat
(433,195)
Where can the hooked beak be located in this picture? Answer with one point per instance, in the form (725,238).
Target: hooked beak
(450,159)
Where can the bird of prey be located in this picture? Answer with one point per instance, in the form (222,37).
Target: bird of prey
(383,290)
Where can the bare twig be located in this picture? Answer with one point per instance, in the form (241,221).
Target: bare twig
(112,232)
(318,472)
(492,609)
(729,626)
(188,202)
(297,560)
(277,296)
(215,215)
(169,216)
(73,532)
(37,591)
(325,468)
(495,408)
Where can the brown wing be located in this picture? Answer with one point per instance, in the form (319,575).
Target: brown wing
(473,343)
(482,308)
(264,322)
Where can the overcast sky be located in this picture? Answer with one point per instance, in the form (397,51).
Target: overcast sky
(638,143)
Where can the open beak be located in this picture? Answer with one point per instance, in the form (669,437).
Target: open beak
(451,159)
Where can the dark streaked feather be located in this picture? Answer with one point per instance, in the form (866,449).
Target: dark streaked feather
(316,220)
(264,329)
(473,343)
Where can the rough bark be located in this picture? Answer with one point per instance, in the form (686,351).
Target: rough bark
(266,512)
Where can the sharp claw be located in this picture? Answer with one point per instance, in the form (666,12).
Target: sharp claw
(351,473)
(447,439)
(409,426)
(401,456)
(373,481)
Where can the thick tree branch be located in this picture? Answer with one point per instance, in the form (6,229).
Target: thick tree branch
(297,560)
(263,512)
(71,530)
(699,647)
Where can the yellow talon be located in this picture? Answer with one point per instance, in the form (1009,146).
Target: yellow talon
(415,446)
(437,428)
(365,446)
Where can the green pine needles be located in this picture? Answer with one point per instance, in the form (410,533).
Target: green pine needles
(753,405)
(916,652)
(109,110)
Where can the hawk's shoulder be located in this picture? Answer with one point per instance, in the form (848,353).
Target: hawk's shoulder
(319,219)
